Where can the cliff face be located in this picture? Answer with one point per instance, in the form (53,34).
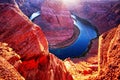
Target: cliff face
(56,22)
(103,14)
(108,66)
(16,25)
(29,42)
(109,55)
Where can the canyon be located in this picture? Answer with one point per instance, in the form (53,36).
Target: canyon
(104,15)
(24,46)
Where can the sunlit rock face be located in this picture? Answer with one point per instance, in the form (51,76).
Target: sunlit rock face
(8,60)
(28,40)
(8,72)
(109,55)
(8,54)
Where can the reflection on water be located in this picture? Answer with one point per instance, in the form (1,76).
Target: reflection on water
(34,15)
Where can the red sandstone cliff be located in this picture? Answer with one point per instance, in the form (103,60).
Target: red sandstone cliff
(29,42)
(18,24)
(108,67)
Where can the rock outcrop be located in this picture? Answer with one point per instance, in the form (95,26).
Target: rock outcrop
(56,22)
(108,67)
(28,40)
(44,68)
(16,30)
(8,60)
(9,55)
(8,72)
(109,55)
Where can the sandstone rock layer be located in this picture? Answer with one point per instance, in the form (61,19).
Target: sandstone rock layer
(8,60)
(28,40)
(18,32)
(109,55)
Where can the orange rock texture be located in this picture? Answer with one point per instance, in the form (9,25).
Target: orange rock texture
(8,60)
(109,55)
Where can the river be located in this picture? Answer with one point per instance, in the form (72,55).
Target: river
(80,45)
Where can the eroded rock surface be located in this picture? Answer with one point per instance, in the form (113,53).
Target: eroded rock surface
(8,60)
(8,72)
(103,14)
(18,32)
(56,22)
(109,55)
(11,56)
(28,40)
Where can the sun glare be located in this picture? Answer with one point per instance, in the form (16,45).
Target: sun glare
(70,2)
